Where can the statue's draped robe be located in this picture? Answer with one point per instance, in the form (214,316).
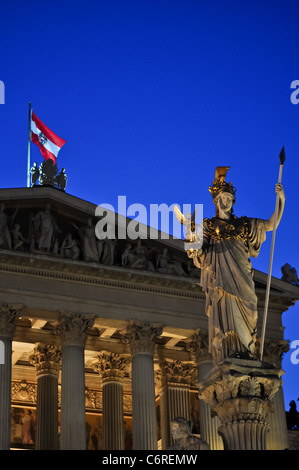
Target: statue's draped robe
(227,280)
(45,222)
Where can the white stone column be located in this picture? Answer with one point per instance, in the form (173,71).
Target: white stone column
(141,338)
(175,380)
(208,425)
(111,368)
(72,329)
(277,437)
(47,361)
(8,314)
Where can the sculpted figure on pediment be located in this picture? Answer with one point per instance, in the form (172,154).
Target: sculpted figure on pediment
(108,249)
(126,254)
(165,264)
(289,274)
(70,247)
(18,241)
(45,229)
(137,257)
(88,241)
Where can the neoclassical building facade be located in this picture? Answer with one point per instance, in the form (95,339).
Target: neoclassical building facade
(103,343)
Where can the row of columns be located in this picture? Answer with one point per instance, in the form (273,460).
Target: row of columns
(140,337)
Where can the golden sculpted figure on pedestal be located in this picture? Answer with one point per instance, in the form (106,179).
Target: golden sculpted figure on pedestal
(226,271)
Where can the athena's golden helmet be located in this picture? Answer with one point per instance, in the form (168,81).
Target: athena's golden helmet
(219,184)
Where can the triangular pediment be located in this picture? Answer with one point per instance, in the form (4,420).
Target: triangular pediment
(45,220)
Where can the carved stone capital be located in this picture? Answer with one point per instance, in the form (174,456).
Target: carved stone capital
(273,351)
(141,337)
(111,366)
(177,373)
(8,315)
(72,328)
(198,344)
(240,394)
(47,359)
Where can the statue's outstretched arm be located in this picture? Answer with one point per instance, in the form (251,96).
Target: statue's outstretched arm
(269,224)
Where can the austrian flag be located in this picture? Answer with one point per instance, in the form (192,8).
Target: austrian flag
(48,142)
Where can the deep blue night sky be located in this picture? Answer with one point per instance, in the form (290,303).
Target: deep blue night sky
(151,96)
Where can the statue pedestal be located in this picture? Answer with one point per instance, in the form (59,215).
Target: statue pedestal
(240,392)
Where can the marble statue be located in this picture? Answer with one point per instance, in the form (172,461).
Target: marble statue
(61,180)
(88,241)
(183,438)
(165,264)
(108,251)
(70,247)
(289,274)
(19,242)
(140,256)
(34,174)
(46,228)
(137,257)
(226,271)
(48,173)
(125,256)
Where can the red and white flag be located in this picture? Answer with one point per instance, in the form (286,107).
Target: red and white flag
(48,142)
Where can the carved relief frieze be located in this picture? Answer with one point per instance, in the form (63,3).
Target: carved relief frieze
(23,392)
(40,231)
(93,399)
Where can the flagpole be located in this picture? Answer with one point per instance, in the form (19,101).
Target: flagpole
(282,159)
(28,151)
